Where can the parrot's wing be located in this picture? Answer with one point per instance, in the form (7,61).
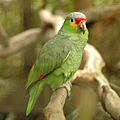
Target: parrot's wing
(53,54)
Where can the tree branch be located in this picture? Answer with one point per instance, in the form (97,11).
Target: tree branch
(56,112)
(19,42)
(92,71)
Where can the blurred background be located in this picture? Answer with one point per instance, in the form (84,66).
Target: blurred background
(25,25)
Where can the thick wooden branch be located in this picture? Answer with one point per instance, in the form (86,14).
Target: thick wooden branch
(56,112)
(91,73)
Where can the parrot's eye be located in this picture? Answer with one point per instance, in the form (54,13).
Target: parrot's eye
(72,20)
(72,23)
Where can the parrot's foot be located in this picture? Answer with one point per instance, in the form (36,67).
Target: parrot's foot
(68,86)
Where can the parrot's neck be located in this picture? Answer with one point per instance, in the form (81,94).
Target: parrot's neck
(79,39)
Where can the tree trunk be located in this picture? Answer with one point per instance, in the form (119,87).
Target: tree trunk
(29,54)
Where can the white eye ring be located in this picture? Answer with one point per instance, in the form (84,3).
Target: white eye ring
(72,20)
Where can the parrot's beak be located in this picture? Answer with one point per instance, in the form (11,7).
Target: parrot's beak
(81,27)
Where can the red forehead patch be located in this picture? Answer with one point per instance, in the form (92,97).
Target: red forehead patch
(77,20)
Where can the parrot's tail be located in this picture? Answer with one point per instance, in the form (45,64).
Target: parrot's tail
(34,93)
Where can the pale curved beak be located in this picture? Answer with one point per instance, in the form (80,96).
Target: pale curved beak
(81,27)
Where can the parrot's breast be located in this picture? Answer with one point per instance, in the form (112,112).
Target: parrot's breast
(73,62)
(68,68)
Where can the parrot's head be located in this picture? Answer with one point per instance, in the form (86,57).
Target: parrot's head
(75,22)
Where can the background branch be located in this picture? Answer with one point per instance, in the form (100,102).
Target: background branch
(29,37)
(19,42)
(98,13)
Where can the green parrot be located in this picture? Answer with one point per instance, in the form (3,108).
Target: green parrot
(59,58)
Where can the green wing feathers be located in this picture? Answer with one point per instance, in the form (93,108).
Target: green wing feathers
(52,55)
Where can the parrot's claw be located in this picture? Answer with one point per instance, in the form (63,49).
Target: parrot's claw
(68,86)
